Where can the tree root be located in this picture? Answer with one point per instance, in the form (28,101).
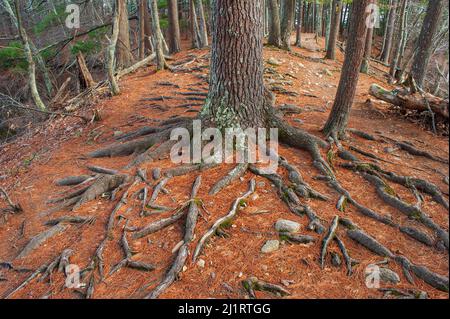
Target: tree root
(183,251)
(223,221)
(71,220)
(72,180)
(14,208)
(416,152)
(327,239)
(234,174)
(37,240)
(347,258)
(61,262)
(143,131)
(102,170)
(251,284)
(297,239)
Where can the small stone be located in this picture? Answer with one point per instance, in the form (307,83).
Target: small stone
(184,268)
(241,179)
(213,275)
(261,184)
(117,133)
(270,246)
(201,263)
(388,275)
(156,173)
(287,283)
(255,196)
(275,62)
(389,150)
(240,275)
(287,226)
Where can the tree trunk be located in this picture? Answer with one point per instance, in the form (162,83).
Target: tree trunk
(195,31)
(298,40)
(124,55)
(31,66)
(368,47)
(338,119)
(84,76)
(174,27)
(114,86)
(237,94)
(429,27)
(157,36)
(287,23)
(400,38)
(203,33)
(275,24)
(334,31)
(412,101)
(385,55)
(144,30)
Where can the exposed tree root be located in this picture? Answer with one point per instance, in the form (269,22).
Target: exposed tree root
(61,262)
(223,221)
(183,251)
(234,174)
(347,258)
(71,220)
(72,180)
(327,239)
(37,240)
(253,284)
(416,152)
(14,208)
(362,134)
(297,239)
(102,170)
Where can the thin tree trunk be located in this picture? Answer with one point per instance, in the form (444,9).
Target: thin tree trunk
(338,119)
(386,54)
(195,31)
(275,24)
(203,32)
(174,27)
(124,55)
(334,31)
(429,27)
(368,47)
(157,36)
(111,53)
(399,41)
(85,77)
(287,23)
(298,40)
(144,29)
(31,66)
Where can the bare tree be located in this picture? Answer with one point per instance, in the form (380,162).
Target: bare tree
(287,23)
(124,55)
(157,37)
(174,27)
(334,30)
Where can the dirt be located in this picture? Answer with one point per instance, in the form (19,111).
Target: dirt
(56,149)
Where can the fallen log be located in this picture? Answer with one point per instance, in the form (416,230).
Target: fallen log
(412,101)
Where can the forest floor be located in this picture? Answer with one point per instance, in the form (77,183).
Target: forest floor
(56,149)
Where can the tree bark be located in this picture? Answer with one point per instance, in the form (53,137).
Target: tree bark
(124,55)
(334,31)
(368,47)
(385,55)
(203,32)
(114,86)
(144,29)
(195,30)
(31,66)
(237,96)
(412,101)
(85,77)
(424,49)
(287,23)
(338,119)
(157,37)
(275,24)
(298,40)
(174,27)
(400,38)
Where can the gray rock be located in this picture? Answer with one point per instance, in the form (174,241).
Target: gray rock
(270,246)
(287,226)
(389,276)
(156,173)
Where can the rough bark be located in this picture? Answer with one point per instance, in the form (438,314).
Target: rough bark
(399,40)
(144,29)
(124,55)
(85,77)
(386,54)
(298,40)
(157,37)
(334,31)
(424,45)
(337,121)
(287,23)
(237,93)
(114,86)
(203,32)
(367,48)
(275,24)
(174,27)
(195,30)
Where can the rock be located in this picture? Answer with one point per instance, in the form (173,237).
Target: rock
(201,263)
(270,246)
(287,226)
(287,283)
(117,133)
(388,275)
(274,62)
(156,173)
(261,184)
(389,150)
(335,259)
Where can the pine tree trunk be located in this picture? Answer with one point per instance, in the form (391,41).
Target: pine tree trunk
(237,94)
(144,29)
(338,119)
(298,40)
(203,32)
(275,24)
(195,31)
(424,50)
(334,31)
(114,86)
(400,38)
(385,55)
(124,55)
(174,27)
(157,37)
(368,47)
(287,23)
(31,66)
